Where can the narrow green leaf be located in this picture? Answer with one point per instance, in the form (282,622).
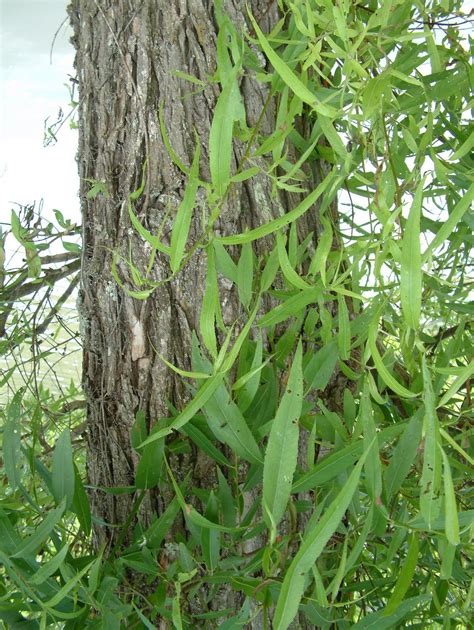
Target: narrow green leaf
(405,577)
(209,307)
(289,77)
(225,265)
(192,514)
(182,222)
(465,521)
(332,136)
(457,213)
(47,569)
(30,544)
(185,373)
(203,394)
(245,274)
(143,619)
(270,270)
(210,538)
(320,367)
(450,509)
(234,352)
(80,505)
(289,217)
(341,570)
(9,538)
(329,467)
(205,444)
(244,175)
(456,446)
(12,455)
(228,424)
(318,263)
(290,307)
(464,149)
(226,500)
(63,477)
(247,384)
(344,332)
(403,456)
(188,77)
(175,608)
(157,531)
(226,112)
(154,241)
(148,471)
(378,621)
(458,382)
(385,375)
(373,469)
(70,584)
(411,274)
(373,94)
(182,167)
(290,274)
(314,542)
(361,539)
(282,448)
(430,500)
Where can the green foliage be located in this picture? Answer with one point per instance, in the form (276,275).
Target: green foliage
(365,369)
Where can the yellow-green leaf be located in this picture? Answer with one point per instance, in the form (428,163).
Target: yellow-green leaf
(182,221)
(451,513)
(314,542)
(411,274)
(289,77)
(382,370)
(282,448)
(285,265)
(430,491)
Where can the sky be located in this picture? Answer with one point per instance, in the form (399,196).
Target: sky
(33,89)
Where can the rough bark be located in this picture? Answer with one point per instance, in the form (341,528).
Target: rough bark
(126,54)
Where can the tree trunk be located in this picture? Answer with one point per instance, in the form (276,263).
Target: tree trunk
(127,57)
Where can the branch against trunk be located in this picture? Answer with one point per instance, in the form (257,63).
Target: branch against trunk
(127,58)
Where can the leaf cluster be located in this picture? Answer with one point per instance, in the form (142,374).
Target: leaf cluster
(336,425)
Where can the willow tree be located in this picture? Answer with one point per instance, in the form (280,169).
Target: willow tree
(236,361)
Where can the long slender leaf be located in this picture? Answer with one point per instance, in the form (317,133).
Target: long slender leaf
(245,274)
(226,112)
(182,222)
(207,318)
(450,509)
(403,456)
(289,217)
(50,567)
(430,498)
(405,577)
(63,476)
(203,394)
(381,369)
(410,268)
(290,307)
(313,544)
(463,205)
(373,470)
(290,78)
(285,265)
(12,456)
(282,448)
(30,544)
(229,425)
